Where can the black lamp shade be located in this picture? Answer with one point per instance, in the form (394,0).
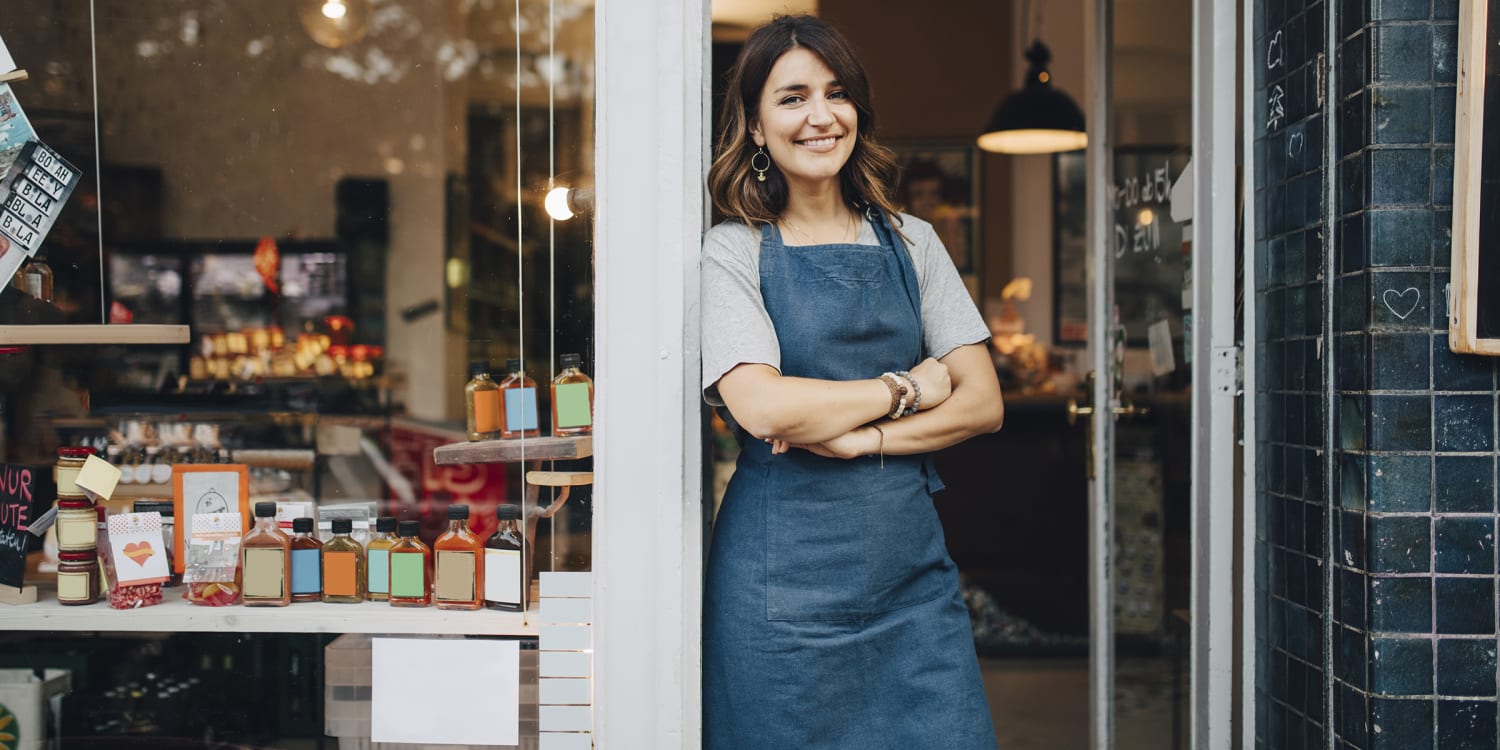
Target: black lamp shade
(1038,119)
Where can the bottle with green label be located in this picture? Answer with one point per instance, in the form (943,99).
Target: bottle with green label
(411,568)
(378,559)
(572,399)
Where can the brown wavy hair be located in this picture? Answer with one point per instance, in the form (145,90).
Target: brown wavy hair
(868,179)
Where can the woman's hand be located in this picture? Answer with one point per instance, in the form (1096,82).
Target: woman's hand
(853,444)
(932,377)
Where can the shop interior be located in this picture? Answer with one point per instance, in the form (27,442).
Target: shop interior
(398,174)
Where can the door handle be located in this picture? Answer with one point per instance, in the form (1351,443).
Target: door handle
(1075,411)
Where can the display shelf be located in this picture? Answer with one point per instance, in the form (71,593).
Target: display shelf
(175,614)
(38,335)
(514,450)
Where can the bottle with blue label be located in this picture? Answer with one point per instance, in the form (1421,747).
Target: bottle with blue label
(378,559)
(518,416)
(307,562)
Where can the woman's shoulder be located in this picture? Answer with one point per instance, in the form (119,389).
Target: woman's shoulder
(731,236)
(919,230)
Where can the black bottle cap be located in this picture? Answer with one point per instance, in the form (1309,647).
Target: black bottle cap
(478,367)
(265,509)
(343,525)
(508,512)
(385,525)
(409,528)
(570,361)
(513,365)
(164,507)
(302,525)
(458,513)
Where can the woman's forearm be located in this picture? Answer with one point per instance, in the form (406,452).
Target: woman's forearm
(800,410)
(965,414)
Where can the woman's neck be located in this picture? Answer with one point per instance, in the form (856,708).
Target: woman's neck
(817,216)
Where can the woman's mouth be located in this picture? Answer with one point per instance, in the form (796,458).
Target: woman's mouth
(819,144)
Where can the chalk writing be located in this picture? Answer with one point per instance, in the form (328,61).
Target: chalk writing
(1295,144)
(1275,108)
(1394,299)
(1137,223)
(17,486)
(1273,52)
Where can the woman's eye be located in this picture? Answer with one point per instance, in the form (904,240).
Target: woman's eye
(839,95)
(792,100)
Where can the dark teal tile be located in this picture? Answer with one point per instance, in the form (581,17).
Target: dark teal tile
(1464,422)
(1354,62)
(1353,427)
(1400,423)
(1401,300)
(1400,237)
(1353,303)
(1351,539)
(1401,724)
(1401,605)
(1353,185)
(1350,587)
(1442,241)
(1353,660)
(1351,365)
(1400,176)
(1442,176)
(1400,115)
(1400,484)
(1446,10)
(1352,15)
(1352,490)
(1465,606)
(1400,544)
(1399,361)
(1399,10)
(1354,124)
(1401,54)
(1444,52)
(1466,667)
(1465,484)
(1466,725)
(1443,120)
(1401,666)
(1464,545)
(1352,244)
(1460,372)
(1353,715)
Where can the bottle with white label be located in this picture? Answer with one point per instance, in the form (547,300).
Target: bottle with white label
(504,575)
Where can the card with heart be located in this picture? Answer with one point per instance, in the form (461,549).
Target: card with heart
(137,548)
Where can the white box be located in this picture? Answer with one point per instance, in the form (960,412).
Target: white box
(24,694)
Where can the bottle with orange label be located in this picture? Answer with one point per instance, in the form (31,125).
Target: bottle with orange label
(343,565)
(482,402)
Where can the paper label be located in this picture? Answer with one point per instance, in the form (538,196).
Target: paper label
(72,587)
(136,548)
(378,563)
(1159,336)
(98,478)
(408,575)
(520,409)
(339,574)
(455,576)
(77,529)
(502,576)
(573,407)
(307,571)
(486,411)
(265,573)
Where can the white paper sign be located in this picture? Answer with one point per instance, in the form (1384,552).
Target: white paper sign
(7,63)
(1159,336)
(138,549)
(447,692)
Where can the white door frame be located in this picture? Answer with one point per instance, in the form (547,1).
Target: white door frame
(651,124)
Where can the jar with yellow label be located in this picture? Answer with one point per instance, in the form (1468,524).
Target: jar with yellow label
(70,460)
(78,579)
(77,529)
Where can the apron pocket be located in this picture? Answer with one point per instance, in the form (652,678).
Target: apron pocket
(817,558)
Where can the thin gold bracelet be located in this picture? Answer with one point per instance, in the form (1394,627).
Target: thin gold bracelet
(881,449)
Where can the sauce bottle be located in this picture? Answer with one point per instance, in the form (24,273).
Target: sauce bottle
(307,562)
(343,565)
(378,560)
(266,560)
(504,575)
(520,403)
(459,579)
(572,399)
(482,403)
(411,568)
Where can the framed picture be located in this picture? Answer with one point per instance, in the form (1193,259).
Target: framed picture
(940,184)
(206,488)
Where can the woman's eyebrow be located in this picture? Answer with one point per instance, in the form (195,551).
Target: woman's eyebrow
(803,87)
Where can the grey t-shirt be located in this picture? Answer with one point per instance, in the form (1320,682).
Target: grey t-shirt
(737,329)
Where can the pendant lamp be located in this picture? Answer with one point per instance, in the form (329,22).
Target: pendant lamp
(1038,119)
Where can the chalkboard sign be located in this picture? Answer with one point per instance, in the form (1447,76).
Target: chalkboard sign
(19,495)
(1474,289)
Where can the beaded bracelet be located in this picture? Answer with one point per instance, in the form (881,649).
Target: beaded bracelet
(916,401)
(898,394)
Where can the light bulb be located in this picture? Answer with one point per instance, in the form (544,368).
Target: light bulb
(334,9)
(556,203)
(334,23)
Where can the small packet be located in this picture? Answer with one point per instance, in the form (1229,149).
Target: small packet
(135,559)
(213,560)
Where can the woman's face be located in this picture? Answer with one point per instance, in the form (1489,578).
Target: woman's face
(807,121)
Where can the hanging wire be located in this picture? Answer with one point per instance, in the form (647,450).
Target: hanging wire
(98,168)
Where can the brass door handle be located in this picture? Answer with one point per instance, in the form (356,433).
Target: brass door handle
(1131,410)
(1074,411)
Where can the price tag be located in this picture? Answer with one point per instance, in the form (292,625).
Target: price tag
(17,230)
(29,190)
(45,181)
(28,213)
(55,166)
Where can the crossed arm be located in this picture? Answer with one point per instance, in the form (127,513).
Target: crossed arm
(834,418)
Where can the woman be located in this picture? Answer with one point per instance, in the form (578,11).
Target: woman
(839,336)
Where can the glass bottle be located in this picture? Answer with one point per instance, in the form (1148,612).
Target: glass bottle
(378,559)
(482,403)
(343,565)
(520,403)
(147,468)
(266,560)
(35,278)
(307,562)
(572,399)
(411,568)
(459,553)
(504,575)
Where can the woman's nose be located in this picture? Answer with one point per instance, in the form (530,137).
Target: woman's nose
(820,114)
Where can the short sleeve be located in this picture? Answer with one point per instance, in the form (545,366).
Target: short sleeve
(736,327)
(949,317)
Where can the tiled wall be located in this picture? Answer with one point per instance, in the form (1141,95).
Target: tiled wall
(1411,657)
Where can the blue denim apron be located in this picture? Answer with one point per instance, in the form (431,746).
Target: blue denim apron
(832,616)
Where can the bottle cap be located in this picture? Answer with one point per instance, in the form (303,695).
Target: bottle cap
(513,365)
(385,525)
(570,361)
(409,528)
(75,451)
(88,556)
(458,513)
(508,512)
(343,525)
(164,507)
(265,509)
(302,525)
(478,367)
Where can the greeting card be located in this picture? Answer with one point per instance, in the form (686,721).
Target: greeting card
(137,548)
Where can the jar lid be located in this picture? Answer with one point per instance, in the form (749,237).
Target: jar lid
(385,525)
(458,513)
(302,525)
(75,451)
(409,528)
(508,512)
(342,525)
(74,503)
(78,556)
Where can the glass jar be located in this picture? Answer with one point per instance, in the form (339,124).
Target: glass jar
(78,579)
(77,529)
(70,460)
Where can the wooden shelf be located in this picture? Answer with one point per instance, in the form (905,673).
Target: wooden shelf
(515,450)
(38,335)
(175,614)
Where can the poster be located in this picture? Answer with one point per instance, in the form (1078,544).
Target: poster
(18,487)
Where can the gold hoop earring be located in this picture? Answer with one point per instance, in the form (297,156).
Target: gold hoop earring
(760,172)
